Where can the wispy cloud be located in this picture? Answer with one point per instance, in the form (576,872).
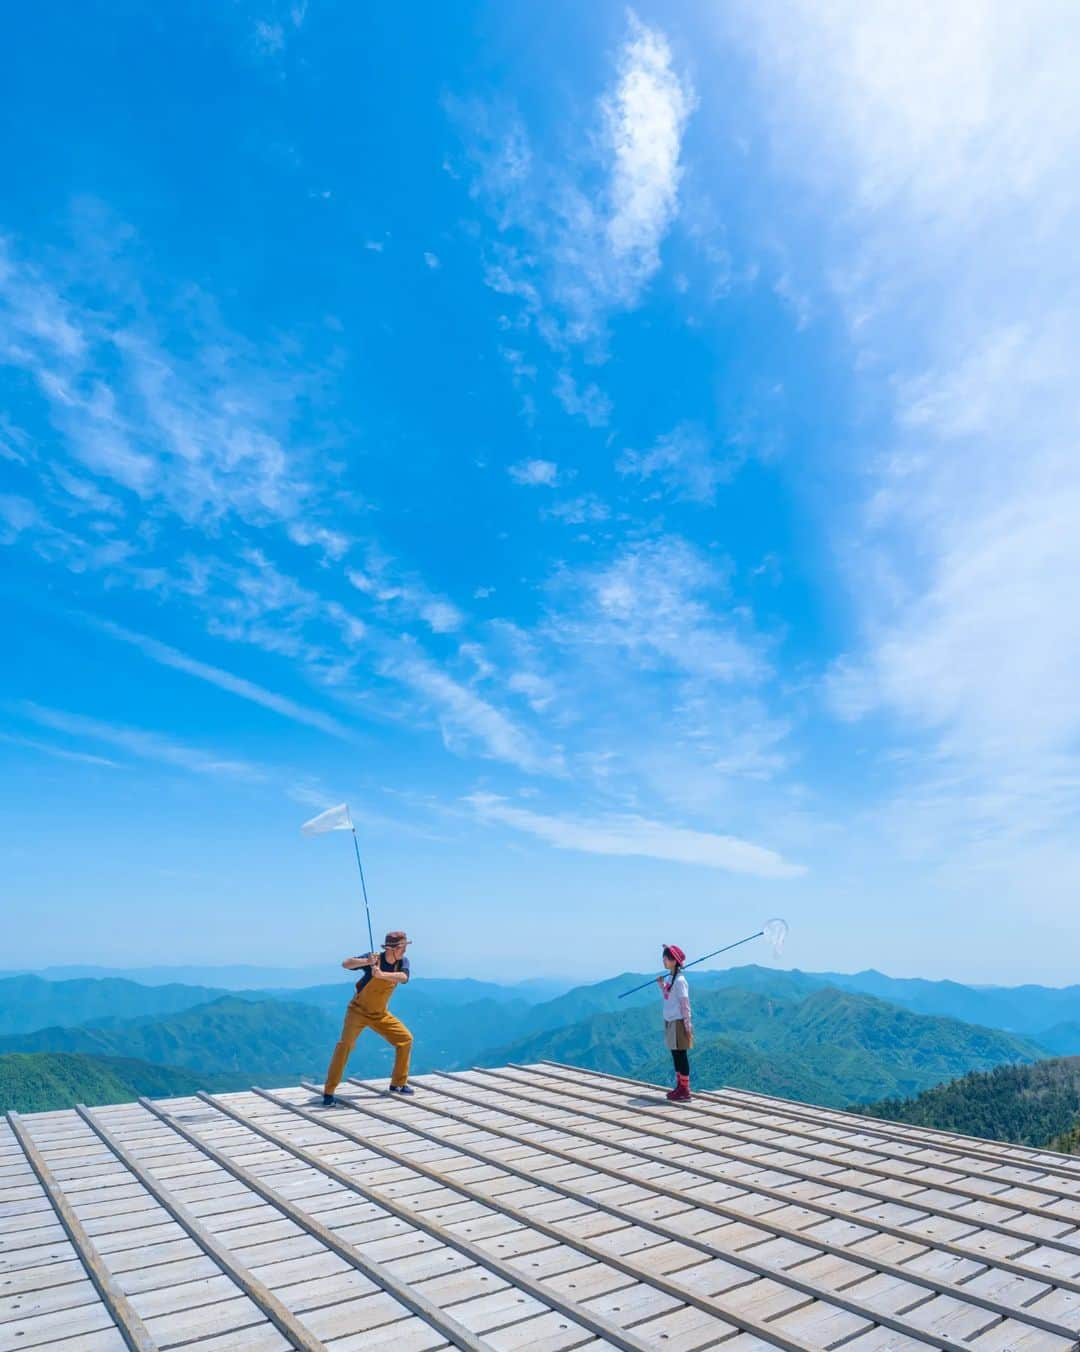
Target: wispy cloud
(685,462)
(644,117)
(334,544)
(590,253)
(225,680)
(203,437)
(634,835)
(534,472)
(17,514)
(653,601)
(590,404)
(586,509)
(138,742)
(951,140)
(468,720)
(59,752)
(397,591)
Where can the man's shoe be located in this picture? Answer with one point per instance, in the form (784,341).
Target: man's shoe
(329,1101)
(402,1089)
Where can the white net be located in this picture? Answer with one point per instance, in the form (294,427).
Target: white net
(776,931)
(333,819)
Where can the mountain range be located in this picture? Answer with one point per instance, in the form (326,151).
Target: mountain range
(831,1047)
(813,1036)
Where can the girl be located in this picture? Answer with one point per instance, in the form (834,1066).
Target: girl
(678,1030)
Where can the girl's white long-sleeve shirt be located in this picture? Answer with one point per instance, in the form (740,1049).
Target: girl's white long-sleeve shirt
(677,1000)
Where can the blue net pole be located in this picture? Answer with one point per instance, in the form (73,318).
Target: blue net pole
(363,889)
(715,953)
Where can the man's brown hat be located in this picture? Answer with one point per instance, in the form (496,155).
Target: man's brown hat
(395,937)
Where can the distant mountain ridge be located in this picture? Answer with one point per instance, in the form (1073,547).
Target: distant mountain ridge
(1028,1009)
(249,977)
(785,1032)
(831,1047)
(30,1002)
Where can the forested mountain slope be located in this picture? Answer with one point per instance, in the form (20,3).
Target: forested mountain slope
(44,1081)
(1028,1104)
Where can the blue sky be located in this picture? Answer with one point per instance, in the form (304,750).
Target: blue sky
(628,454)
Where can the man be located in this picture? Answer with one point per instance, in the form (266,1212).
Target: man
(381,974)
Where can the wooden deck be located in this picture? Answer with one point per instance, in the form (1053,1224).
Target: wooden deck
(527,1209)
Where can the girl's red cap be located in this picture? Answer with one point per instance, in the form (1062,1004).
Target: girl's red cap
(676,952)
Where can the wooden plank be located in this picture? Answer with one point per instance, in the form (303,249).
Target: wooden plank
(806,1169)
(105,1340)
(258,1302)
(122,1314)
(257,1338)
(547,1332)
(375,1310)
(448,1330)
(1068,1166)
(816,1236)
(40,1277)
(651,1264)
(44,1300)
(483,1253)
(872,1161)
(67,1325)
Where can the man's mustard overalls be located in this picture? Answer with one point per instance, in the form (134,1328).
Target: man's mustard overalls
(368,1009)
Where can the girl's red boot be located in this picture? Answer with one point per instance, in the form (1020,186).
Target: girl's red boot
(681,1092)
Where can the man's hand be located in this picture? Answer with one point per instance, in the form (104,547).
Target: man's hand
(354,964)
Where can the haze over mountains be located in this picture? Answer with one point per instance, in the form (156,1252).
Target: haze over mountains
(830,1038)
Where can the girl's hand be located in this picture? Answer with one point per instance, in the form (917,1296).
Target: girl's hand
(660,982)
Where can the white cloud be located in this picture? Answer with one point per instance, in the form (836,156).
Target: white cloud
(591,404)
(588,252)
(644,120)
(59,752)
(269,37)
(333,543)
(441,616)
(943,146)
(432,261)
(138,742)
(685,461)
(225,680)
(796,300)
(80,494)
(202,436)
(17,514)
(374,245)
(537,691)
(535,472)
(583,510)
(395,590)
(653,601)
(468,721)
(634,835)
